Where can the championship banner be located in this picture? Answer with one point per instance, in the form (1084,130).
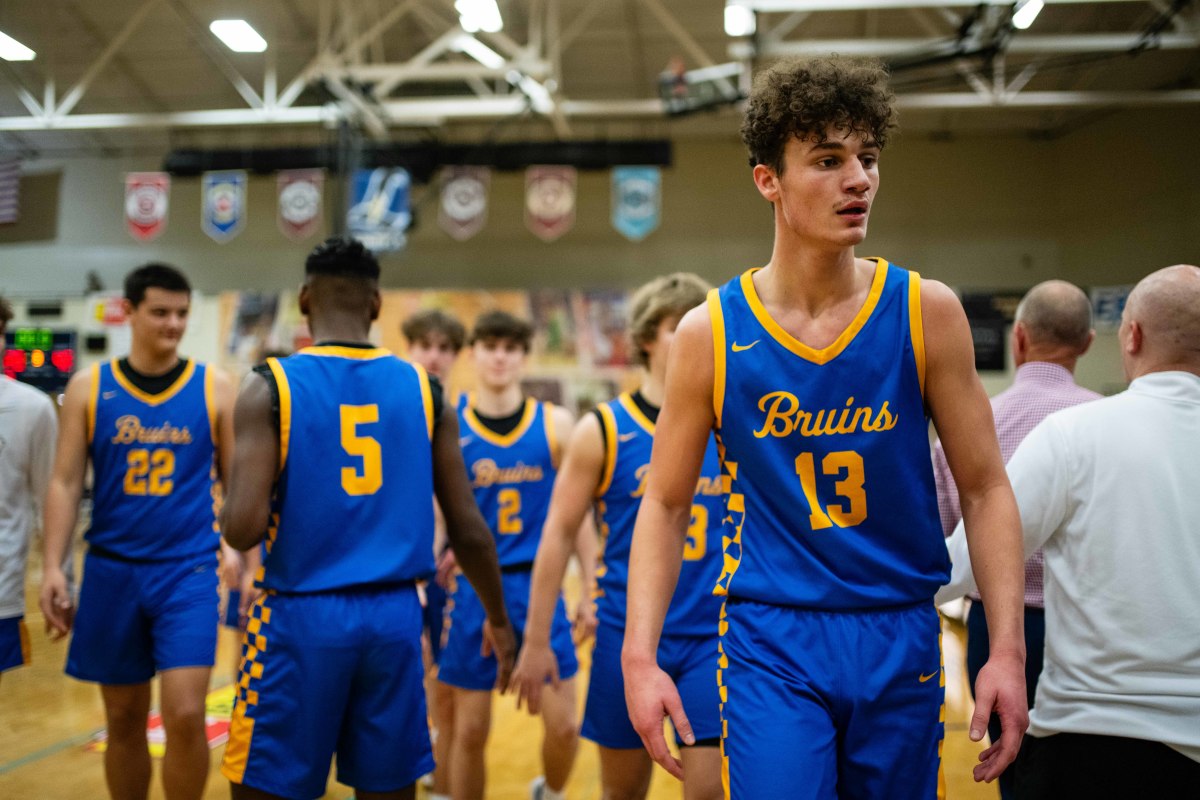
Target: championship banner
(378,212)
(146,204)
(636,201)
(300,202)
(549,201)
(223,204)
(462,212)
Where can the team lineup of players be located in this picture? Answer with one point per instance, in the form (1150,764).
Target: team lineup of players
(764,502)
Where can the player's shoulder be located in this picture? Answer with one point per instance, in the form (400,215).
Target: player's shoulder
(939,300)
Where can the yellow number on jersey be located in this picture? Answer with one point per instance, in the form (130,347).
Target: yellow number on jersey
(849,487)
(149,472)
(364,447)
(697,535)
(510,512)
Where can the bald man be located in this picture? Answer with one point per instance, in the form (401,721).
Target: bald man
(1111,491)
(1052,330)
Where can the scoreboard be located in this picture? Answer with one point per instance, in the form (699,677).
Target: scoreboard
(42,357)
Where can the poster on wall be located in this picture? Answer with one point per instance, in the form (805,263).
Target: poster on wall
(223,204)
(553,324)
(300,192)
(146,196)
(550,201)
(606,333)
(636,201)
(378,213)
(462,212)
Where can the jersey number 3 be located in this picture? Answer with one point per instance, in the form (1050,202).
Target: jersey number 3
(367,448)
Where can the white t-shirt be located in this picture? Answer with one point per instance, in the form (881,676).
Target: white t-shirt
(1111,489)
(28,432)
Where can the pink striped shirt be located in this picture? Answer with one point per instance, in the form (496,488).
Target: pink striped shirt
(1039,389)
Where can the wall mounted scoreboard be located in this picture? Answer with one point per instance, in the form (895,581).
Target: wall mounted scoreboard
(42,357)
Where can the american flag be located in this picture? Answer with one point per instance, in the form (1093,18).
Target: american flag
(10,182)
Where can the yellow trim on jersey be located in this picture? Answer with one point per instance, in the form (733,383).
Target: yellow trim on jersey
(491,436)
(916,326)
(626,401)
(340,351)
(93,399)
(285,409)
(210,405)
(426,398)
(717,317)
(551,436)
(608,430)
(161,397)
(825,354)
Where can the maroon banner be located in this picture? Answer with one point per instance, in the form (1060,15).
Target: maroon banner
(300,192)
(462,212)
(549,201)
(146,195)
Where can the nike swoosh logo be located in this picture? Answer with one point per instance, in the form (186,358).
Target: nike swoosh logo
(109,395)
(737,348)
(625,437)
(924,678)
(463,441)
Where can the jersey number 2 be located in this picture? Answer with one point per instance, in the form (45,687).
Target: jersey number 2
(364,447)
(510,512)
(149,472)
(850,488)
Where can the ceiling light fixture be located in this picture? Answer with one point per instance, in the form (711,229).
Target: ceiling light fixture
(478,51)
(12,50)
(1025,13)
(479,15)
(238,36)
(739,19)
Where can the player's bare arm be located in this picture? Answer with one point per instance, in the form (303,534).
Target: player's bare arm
(471,540)
(680,438)
(253,468)
(962,415)
(574,490)
(61,505)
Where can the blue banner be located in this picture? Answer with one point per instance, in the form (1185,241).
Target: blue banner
(378,212)
(636,201)
(223,204)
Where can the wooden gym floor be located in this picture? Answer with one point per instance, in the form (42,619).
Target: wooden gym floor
(47,721)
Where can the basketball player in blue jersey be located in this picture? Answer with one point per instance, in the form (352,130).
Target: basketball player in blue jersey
(434,340)
(605,470)
(339,449)
(157,430)
(818,372)
(510,443)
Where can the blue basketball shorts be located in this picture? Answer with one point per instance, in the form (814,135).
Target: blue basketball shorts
(434,616)
(334,672)
(690,661)
(821,704)
(14,643)
(461,664)
(136,618)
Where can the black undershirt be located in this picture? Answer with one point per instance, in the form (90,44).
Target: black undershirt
(502,426)
(153,384)
(639,400)
(437,396)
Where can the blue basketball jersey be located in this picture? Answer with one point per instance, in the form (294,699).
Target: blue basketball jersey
(512,476)
(826,453)
(628,438)
(153,457)
(352,503)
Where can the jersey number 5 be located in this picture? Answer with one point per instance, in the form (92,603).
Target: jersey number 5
(364,447)
(850,488)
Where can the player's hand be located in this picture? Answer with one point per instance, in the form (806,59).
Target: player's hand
(584,624)
(58,608)
(1000,689)
(650,695)
(535,666)
(500,641)
(446,567)
(230,569)
(248,595)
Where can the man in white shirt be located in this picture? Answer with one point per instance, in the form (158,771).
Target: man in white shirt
(28,430)
(1111,491)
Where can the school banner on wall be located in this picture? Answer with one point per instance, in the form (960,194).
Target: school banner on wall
(223,204)
(550,201)
(462,212)
(300,202)
(146,195)
(636,201)
(378,212)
